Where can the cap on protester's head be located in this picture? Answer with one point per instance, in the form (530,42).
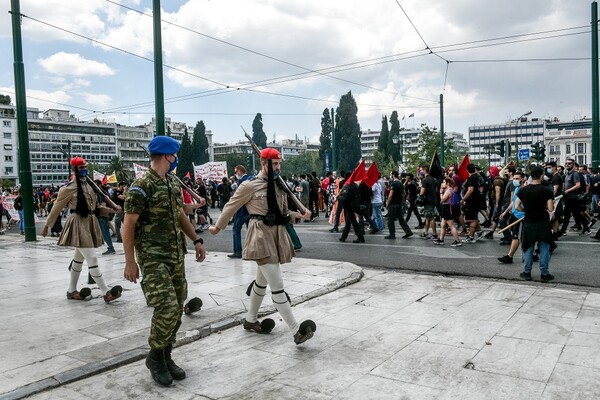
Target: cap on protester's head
(494,171)
(77,162)
(270,154)
(163,145)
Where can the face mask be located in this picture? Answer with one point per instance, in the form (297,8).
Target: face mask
(83,173)
(239,176)
(516,183)
(549,170)
(173,165)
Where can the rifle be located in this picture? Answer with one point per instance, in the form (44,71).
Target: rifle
(282,183)
(188,189)
(101,192)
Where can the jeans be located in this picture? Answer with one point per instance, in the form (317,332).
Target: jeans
(377,217)
(105,232)
(293,236)
(238,222)
(544,258)
(594,207)
(21,221)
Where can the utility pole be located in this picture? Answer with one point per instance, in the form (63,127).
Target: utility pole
(159,96)
(22,128)
(442,141)
(333,142)
(595,90)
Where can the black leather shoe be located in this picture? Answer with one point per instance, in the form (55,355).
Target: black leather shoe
(333,230)
(359,240)
(234,255)
(389,237)
(342,240)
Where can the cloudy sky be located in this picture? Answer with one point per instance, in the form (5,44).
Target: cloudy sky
(226,60)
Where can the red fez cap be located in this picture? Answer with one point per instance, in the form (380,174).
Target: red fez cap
(270,154)
(77,161)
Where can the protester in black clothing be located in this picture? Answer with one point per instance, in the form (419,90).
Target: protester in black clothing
(411,195)
(364,212)
(351,206)
(395,201)
(572,187)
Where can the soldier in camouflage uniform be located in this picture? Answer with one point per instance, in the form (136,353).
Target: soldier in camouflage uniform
(155,225)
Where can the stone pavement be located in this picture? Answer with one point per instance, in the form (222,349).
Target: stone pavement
(392,335)
(47,340)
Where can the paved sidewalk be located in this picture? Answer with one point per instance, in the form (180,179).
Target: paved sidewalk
(47,340)
(393,336)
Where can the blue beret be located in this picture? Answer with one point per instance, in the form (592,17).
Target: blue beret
(163,145)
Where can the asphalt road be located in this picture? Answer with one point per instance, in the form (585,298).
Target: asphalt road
(574,262)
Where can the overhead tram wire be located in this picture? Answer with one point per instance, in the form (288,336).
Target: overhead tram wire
(256,52)
(218,91)
(50,101)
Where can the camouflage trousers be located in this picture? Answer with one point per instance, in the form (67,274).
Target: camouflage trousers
(165,288)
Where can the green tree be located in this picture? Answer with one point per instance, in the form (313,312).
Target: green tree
(5,99)
(232,160)
(385,165)
(428,143)
(325,137)
(7,183)
(258,135)
(199,144)
(185,156)
(119,169)
(347,133)
(304,163)
(384,138)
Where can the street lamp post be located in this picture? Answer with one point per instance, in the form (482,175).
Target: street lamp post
(517,131)
(397,141)
(66,152)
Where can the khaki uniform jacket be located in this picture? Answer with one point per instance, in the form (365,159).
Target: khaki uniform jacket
(264,244)
(78,231)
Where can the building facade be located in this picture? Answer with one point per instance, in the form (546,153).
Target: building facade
(9,168)
(569,139)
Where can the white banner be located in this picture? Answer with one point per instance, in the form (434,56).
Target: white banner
(139,170)
(211,170)
(8,204)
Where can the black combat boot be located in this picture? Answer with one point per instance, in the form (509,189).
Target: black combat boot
(176,372)
(155,361)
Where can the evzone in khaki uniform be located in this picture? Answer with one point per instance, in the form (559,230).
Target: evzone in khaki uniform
(81,231)
(267,243)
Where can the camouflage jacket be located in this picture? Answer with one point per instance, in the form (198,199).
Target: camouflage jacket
(158,233)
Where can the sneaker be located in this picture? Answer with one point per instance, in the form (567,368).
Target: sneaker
(469,239)
(438,242)
(575,228)
(489,235)
(407,235)
(456,243)
(109,251)
(526,275)
(389,237)
(506,259)
(546,278)
(592,222)
(478,235)
(432,237)
(424,236)
(585,232)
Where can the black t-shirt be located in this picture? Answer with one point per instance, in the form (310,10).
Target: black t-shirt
(411,190)
(557,180)
(595,181)
(398,190)
(534,199)
(431,190)
(473,181)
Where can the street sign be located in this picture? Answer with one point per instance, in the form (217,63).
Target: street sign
(524,154)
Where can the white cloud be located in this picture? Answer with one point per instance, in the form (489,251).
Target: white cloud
(40,98)
(97,100)
(74,64)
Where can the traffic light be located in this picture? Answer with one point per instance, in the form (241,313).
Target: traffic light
(535,151)
(508,149)
(542,153)
(500,148)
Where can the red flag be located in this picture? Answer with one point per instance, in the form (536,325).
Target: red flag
(372,175)
(462,172)
(104,179)
(187,175)
(359,174)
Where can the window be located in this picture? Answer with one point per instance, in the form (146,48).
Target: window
(7,135)
(6,124)
(580,148)
(568,149)
(8,158)
(8,147)
(8,170)
(581,160)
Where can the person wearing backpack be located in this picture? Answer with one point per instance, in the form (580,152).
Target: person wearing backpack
(572,187)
